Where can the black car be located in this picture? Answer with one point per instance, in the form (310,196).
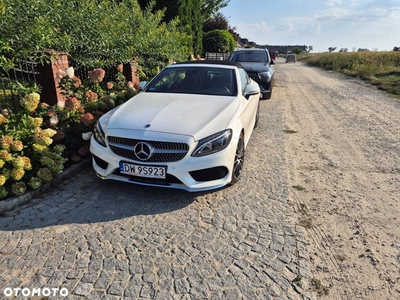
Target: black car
(257,63)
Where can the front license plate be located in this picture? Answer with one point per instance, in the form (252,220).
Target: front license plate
(142,171)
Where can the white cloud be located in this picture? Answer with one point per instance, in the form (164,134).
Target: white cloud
(286,26)
(311,30)
(333,2)
(253,29)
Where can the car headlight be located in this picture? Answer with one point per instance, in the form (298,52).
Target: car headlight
(213,143)
(98,134)
(266,75)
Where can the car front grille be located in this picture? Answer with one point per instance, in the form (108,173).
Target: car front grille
(163,152)
(254,76)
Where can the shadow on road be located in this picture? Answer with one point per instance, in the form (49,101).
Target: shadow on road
(88,199)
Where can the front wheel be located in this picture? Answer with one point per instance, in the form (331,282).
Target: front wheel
(238,162)
(267,95)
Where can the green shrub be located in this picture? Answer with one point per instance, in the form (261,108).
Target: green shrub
(40,140)
(218,41)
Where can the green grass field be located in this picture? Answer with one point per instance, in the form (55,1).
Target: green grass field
(381,69)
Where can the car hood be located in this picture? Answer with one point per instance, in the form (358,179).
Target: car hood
(255,67)
(185,114)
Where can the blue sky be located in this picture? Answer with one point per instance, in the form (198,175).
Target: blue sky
(352,24)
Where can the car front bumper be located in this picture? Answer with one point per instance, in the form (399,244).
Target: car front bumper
(190,173)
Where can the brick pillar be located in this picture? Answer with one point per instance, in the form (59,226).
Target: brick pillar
(131,72)
(49,81)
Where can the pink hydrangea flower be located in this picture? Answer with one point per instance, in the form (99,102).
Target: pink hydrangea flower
(73,104)
(91,96)
(87,119)
(76,82)
(59,135)
(97,75)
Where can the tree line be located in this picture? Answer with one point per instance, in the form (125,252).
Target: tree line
(98,33)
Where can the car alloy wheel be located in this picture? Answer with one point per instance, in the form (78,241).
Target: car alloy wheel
(239,160)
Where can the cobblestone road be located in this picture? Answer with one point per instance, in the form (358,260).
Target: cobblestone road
(109,240)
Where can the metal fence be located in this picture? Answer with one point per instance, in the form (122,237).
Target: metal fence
(83,71)
(13,82)
(216,56)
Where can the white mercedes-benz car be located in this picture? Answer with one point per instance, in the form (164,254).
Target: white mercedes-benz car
(188,128)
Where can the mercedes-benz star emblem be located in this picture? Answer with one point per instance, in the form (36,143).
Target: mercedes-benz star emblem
(143,151)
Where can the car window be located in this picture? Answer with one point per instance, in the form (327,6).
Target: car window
(195,80)
(250,56)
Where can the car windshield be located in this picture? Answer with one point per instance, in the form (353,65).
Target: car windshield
(195,80)
(250,56)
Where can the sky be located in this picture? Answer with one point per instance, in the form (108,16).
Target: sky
(351,24)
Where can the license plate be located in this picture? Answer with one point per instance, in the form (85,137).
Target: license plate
(143,171)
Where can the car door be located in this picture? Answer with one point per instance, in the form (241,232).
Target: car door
(250,104)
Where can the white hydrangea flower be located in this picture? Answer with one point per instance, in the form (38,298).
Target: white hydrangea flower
(70,72)
(87,135)
(54,120)
(61,104)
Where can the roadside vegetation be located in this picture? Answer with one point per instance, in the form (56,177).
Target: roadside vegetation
(381,69)
(38,140)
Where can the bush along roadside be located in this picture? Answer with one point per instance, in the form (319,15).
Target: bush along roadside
(40,140)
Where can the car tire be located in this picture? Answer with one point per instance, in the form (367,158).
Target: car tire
(267,95)
(257,115)
(238,162)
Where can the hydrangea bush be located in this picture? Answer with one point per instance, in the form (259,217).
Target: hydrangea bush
(39,141)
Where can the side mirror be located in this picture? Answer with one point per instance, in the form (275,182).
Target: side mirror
(251,90)
(142,85)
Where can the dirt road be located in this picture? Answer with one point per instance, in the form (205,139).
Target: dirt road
(343,151)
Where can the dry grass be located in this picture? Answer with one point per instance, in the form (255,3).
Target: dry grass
(319,287)
(378,68)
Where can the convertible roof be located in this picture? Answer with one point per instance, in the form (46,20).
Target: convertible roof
(211,62)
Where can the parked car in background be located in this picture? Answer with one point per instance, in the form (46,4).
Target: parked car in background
(291,58)
(273,54)
(257,62)
(188,128)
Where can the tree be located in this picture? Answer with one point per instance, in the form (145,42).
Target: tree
(331,49)
(217,22)
(309,49)
(187,12)
(82,29)
(218,41)
(343,50)
(210,7)
(396,48)
(296,50)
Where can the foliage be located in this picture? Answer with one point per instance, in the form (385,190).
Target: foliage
(309,49)
(40,140)
(209,8)
(219,21)
(297,50)
(82,29)
(379,68)
(185,13)
(27,156)
(219,41)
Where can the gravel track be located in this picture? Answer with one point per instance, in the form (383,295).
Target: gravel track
(343,154)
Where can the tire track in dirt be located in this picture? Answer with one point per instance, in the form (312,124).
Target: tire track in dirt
(345,153)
